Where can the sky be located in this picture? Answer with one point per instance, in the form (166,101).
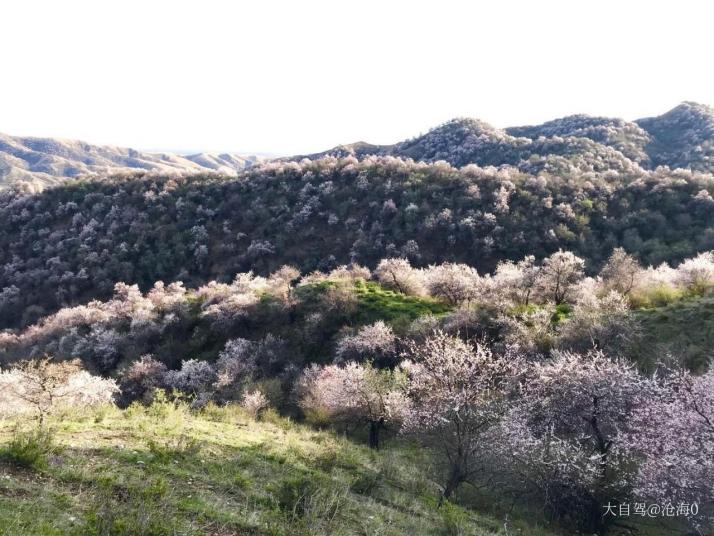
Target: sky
(291,77)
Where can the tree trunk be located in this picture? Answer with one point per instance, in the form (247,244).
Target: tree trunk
(374,427)
(455,479)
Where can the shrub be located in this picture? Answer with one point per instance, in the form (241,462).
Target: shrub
(655,296)
(30,449)
(366,482)
(294,494)
(254,402)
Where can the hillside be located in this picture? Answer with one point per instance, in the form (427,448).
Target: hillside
(213,353)
(683,137)
(165,470)
(72,243)
(46,161)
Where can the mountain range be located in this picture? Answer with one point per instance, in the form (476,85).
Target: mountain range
(44,161)
(680,138)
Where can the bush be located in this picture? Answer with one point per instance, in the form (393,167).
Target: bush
(656,296)
(295,493)
(30,449)
(366,483)
(254,402)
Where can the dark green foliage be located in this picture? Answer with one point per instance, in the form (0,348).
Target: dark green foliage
(561,313)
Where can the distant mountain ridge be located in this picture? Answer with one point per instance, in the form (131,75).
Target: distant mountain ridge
(680,138)
(45,161)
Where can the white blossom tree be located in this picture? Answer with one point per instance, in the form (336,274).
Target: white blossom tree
(452,283)
(621,272)
(598,322)
(398,274)
(559,274)
(697,274)
(42,385)
(516,281)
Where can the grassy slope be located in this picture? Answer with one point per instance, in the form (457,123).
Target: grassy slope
(165,470)
(684,327)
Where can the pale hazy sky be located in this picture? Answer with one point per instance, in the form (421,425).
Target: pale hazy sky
(300,76)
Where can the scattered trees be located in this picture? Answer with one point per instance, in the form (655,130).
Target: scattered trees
(61,247)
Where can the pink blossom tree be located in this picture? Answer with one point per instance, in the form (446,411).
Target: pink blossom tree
(375,342)
(458,392)
(568,434)
(140,380)
(674,431)
(353,393)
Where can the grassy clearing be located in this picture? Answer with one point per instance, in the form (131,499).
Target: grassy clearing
(378,303)
(165,470)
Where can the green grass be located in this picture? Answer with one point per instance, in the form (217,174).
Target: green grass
(378,303)
(684,327)
(166,470)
